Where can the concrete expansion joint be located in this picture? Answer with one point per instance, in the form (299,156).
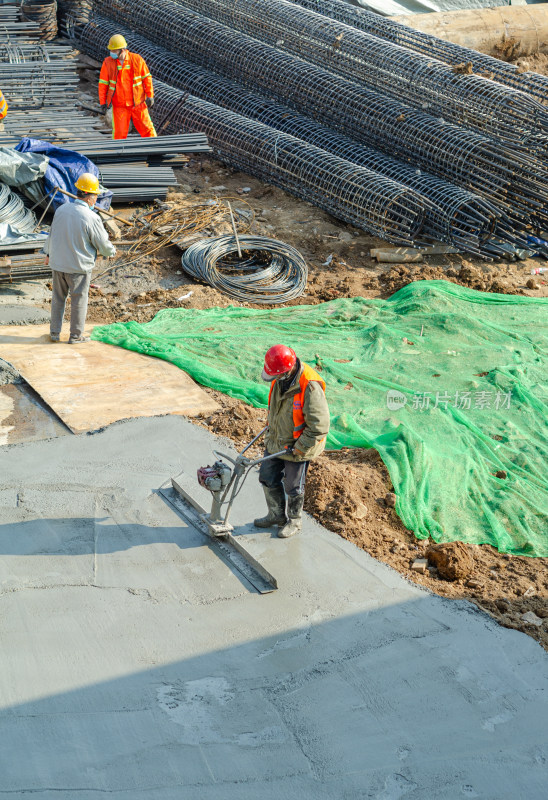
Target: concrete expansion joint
(136,592)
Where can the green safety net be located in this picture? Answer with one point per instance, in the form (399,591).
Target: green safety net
(447,383)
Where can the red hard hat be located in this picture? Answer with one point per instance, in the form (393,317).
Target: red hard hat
(279,359)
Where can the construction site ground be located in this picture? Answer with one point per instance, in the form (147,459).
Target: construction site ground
(346,490)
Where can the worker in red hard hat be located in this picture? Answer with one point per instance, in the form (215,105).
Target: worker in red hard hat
(298,422)
(126,83)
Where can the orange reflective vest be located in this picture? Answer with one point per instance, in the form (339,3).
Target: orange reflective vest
(132,70)
(3,106)
(307,375)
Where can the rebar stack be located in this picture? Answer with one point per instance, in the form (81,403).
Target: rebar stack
(453,54)
(422,81)
(39,80)
(514,182)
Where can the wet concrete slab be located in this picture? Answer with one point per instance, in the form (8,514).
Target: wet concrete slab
(24,417)
(136,663)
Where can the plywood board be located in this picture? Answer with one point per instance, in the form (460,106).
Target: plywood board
(91,385)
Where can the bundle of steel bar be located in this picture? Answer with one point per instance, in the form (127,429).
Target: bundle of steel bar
(14,52)
(13,24)
(355,194)
(114,176)
(453,54)
(453,215)
(44,13)
(515,182)
(57,125)
(38,83)
(422,81)
(103,151)
(42,78)
(23,268)
(138,194)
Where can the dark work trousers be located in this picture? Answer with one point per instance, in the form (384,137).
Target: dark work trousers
(279,471)
(77,285)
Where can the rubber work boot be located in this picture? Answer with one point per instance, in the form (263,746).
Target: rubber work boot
(79,340)
(275,500)
(294,512)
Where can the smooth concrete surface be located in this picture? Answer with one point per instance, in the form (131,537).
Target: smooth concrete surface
(135,664)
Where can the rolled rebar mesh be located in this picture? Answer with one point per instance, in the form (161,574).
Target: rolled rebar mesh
(457,216)
(360,196)
(422,81)
(515,182)
(453,54)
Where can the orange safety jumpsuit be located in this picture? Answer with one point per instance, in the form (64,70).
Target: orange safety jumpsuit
(125,85)
(3,106)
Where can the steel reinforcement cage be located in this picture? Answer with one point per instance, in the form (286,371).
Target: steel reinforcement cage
(453,54)
(422,81)
(512,180)
(453,215)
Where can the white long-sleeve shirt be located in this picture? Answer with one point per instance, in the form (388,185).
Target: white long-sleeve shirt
(77,236)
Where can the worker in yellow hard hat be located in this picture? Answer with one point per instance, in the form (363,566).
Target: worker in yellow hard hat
(77,235)
(3,110)
(126,84)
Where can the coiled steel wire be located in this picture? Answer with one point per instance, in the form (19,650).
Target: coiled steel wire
(453,54)
(515,182)
(270,271)
(354,194)
(44,13)
(13,211)
(458,217)
(422,81)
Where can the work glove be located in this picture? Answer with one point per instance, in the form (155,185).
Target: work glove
(103,108)
(149,101)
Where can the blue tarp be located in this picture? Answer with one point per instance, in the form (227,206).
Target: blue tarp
(64,169)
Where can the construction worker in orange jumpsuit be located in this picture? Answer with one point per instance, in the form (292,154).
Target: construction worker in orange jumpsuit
(126,84)
(3,110)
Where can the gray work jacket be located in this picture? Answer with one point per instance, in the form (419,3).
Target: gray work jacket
(77,235)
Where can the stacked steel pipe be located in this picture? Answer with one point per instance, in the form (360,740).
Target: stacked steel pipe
(40,78)
(490,162)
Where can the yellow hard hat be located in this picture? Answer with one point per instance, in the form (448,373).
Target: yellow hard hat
(88,183)
(116,42)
